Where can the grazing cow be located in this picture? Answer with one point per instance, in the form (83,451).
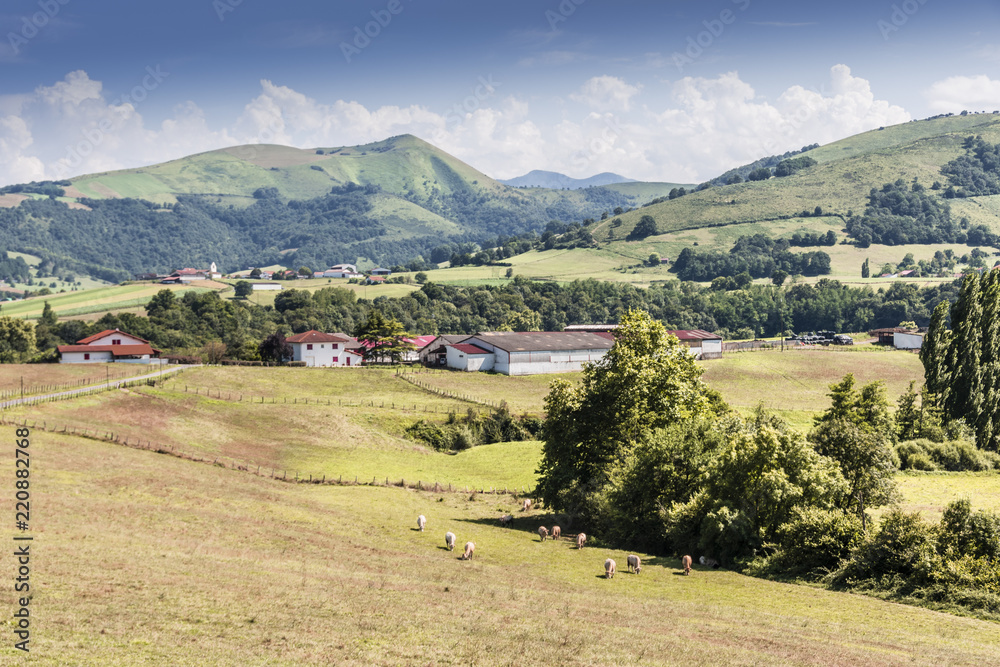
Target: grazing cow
(526,505)
(556,532)
(634,564)
(543,532)
(506,520)
(421,522)
(470,547)
(449,540)
(581,539)
(686,564)
(609,569)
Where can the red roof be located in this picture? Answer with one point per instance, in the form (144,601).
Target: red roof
(107,332)
(376,279)
(115,350)
(469,348)
(314,336)
(420,342)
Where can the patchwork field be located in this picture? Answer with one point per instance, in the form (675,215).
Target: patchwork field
(147,559)
(99,300)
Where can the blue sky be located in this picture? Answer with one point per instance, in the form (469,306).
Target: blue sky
(675,91)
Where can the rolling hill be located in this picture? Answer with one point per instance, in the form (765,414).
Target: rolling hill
(385,202)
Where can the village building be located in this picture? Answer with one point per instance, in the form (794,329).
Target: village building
(435,353)
(325,350)
(702,344)
(110,345)
(529,353)
(380,272)
(266,287)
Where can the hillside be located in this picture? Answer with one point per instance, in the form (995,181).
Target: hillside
(381,203)
(551,179)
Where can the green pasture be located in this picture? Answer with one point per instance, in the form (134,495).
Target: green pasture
(150,559)
(93,300)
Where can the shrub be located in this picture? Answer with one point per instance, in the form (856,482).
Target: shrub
(954,456)
(903,548)
(816,540)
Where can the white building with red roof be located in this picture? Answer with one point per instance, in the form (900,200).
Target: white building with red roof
(324,350)
(110,345)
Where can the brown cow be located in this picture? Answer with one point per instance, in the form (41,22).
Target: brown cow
(686,564)
(543,532)
(556,532)
(581,539)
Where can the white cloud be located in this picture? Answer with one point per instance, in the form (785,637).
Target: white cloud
(700,128)
(606,93)
(957,93)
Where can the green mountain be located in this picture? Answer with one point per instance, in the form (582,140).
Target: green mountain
(839,183)
(385,202)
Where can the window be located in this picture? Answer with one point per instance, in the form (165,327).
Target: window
(86,356)
(334,346)
(309,346)
(335,360)
(116,341)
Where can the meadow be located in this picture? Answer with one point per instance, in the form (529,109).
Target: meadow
(148,559)
(99,300)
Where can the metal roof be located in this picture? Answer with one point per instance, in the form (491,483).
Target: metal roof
(538,341)
(694,334)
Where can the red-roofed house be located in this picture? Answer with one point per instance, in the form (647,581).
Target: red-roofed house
(110,345)
(324,350)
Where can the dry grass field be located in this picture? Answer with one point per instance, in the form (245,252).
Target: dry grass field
(38,378)
(146,559)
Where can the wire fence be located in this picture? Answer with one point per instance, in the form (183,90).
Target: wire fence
(412,379)
(68,394)
(258,470)
(32,389)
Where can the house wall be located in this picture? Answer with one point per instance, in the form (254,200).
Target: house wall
(77,358)
(124,338)
(561,361)
(321,355)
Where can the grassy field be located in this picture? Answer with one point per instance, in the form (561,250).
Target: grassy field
(928,493)
(39,378)
(147,559)
(100,300)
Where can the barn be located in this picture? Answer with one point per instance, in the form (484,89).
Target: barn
(531,352)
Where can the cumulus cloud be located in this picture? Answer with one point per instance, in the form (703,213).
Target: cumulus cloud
(606,93)
(958,93)
(699,128)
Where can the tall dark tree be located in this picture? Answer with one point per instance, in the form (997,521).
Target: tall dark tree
(963,396)
(934,352)
(275,348)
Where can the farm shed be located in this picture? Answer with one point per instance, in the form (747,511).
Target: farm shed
(325,350)
(469,357)
(535,352)
(908,340)
(266,287)
(110,345)
(702,344)
(435,354)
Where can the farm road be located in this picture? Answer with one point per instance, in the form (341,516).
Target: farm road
(113,384)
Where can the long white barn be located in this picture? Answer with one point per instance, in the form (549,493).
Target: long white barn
(528,353)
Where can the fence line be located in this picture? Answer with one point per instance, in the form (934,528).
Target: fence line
(279,474)
(47,388)
(409,377)
(70,394)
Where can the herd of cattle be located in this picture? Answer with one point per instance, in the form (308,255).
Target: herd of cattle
(634,562)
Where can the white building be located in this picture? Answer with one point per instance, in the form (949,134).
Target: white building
(342,271)
(324,350)
(469,357)
(110,345)
(702,344)
(435,353)
(530,353)
(907,340)
(266,287)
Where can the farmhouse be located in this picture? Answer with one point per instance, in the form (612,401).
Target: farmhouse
(435,353)
(702,344)
(110,345)
(420,343)
(342,271)
(324,350)
(266,287)
(528,353)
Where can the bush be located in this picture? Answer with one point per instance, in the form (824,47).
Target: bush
(816,540)
(902,549)
(432,434)
(953,456)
